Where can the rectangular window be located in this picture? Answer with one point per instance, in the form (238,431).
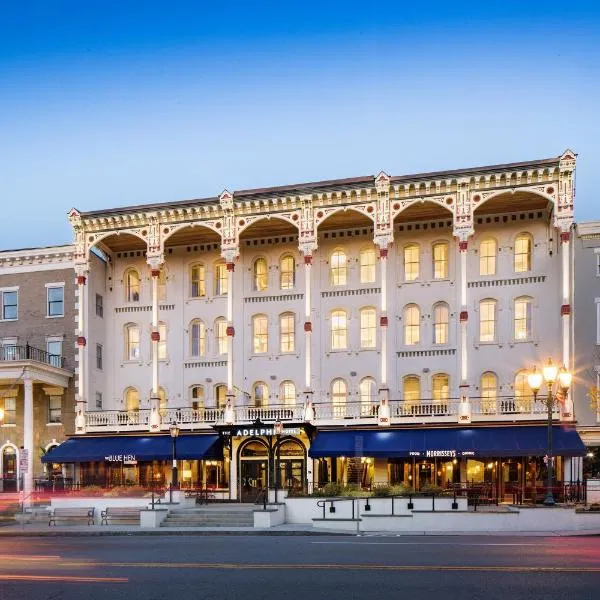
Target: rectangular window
(487,321)
(221,335)
(197,281)
(99,306)
(440,261)
(162,343)
(56,301)
(221,281)
(440,324)
(367,266)
(10,411)
(54,349)
(287,326)
(260,335)
(9,307)
(54,409)
(522,318)
(411,262)
(99,400)
(368,328)
(339,331)
(99,357)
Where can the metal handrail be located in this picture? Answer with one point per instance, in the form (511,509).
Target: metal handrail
(27,352)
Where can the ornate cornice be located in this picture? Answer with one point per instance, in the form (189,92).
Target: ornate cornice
(61,256)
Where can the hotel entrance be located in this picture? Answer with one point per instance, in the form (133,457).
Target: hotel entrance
(254,469)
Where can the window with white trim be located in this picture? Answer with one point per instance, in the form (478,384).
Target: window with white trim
(287,333)
(412,325)
(367,265)
(9,304)
(10,411)
(221,335)
(132,284)
(338,268)
(287,272)
(523,251)
(260,334)
(487,257)
(54,350)
(99,357)
(339,330)
(99,400)
(411,262)
(440,260)
(368,327)
(197,397)
(287,393)
(441,317)
(487,320)
(99,306)
(197,338)
(132,342)
(197,281)
(221,279)
(132,399)
(56,301)
(260,393)
(260,275)
(522,318)
(54,409)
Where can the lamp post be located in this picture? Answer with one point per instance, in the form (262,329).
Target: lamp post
(551,374)
(174,431)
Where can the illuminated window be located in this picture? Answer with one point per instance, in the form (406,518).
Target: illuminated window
(487,320)
(522,318)
(440,387)
(260,275)
(197,281)
(221,335)
(339,330)
(411,262)
(287,273)
(132,400)
(338,268)
(287,332)
(10,411)
(412,325)
(260,334)
(523,393)
(367,265)
(440,260)
(411,389)
(163,403)
(132,285)
(523,248)
(260,393)
(368,327)
(197,338)
(489,392)
(221,395)
(368,396)
(132,342)
(287,393)
(440,323)
(197,397)
(487,257)
(221,281)
(339,396)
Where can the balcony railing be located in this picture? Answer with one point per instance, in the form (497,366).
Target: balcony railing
(27,352)
(327,413)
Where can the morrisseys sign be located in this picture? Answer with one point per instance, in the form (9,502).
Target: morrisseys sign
(441,453)
(126,459)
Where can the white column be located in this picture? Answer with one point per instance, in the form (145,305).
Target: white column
(28,437)
(383,321)
(307,323)
(230,331)
(155,335)
(81,400)
(565,310)
(464,413)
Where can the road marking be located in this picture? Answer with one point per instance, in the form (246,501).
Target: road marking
(62,578)
(425,544)
(27,557)
(351,567)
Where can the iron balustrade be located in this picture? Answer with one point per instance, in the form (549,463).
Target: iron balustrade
(27,352)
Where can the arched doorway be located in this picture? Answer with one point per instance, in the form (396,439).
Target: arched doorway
(9,469)
(254,469)
(290,456)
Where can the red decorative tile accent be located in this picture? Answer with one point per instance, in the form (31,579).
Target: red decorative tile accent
(462,246)
(308,326)
(81,340)
(155,272)
(383,252)
(565,309)
(155,336)
(230,331)
(80,279)
(464,316)
(383,321)
(231,266)
(565,236)
(308,259)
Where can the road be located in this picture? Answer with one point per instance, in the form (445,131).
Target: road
(291,567)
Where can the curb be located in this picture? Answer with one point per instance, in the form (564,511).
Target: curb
(212,533)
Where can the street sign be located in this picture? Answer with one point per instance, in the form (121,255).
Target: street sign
(24,461)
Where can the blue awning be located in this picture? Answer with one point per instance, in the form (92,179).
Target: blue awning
(473,441)
(135,448)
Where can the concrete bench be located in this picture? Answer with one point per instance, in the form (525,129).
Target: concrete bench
(127,514)
(72,514)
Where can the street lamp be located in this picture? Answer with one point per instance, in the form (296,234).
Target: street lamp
(551,374)
(174,431)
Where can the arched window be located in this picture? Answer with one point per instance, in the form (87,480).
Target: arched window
(260,334)
(132,400)
(523,250)
(339,397)
(368,327)
(338,268)
(197,281)
(287,332)
(522,318)
(220,395)
(163,403)
(221,335)
(260,394)
(221,279)
(412,325)
(367,265)
(487,256)
(287,272)
(339,330)
(440,260)
(197,397)
(411,262)
(487,320)
(441,316)
(197,338)
(523,393)
(368,396)
(440,387)
(131,280)
(287,393)
(489,392)
(132,342)
(411,390)
(260,277)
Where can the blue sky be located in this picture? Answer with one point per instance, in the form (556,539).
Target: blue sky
(104,104)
